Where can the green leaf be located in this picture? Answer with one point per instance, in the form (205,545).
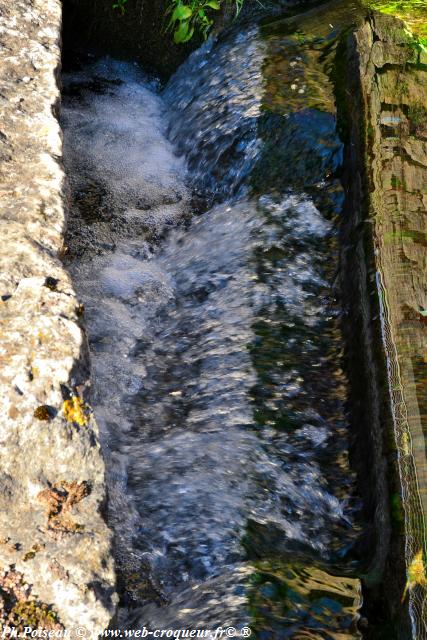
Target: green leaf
(205,26)
(213,4)
(181,33)
(239,5)
(189,35)
(120,6)
(182,12)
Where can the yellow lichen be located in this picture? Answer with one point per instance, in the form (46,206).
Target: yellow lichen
(41,337)
(416,573)
(406,444)
(74,411)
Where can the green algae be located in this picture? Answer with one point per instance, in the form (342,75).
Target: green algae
(301,50)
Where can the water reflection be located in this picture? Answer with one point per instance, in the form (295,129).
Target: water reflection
(302,602)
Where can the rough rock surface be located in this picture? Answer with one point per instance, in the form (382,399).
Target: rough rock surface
(55,548)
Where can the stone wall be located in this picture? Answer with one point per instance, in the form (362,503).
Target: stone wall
(385,252)
(393,69)
(55,549)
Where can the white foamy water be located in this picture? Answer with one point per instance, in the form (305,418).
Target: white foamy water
(129,179)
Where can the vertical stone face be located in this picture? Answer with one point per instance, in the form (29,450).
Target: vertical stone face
(138,33)
(393,75)
(55,548)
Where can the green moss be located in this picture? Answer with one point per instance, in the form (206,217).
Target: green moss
(35,615)
(413,12)
(417,114)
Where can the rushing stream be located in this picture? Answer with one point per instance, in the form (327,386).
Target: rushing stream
(214,327)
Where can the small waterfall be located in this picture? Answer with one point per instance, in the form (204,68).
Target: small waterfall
(216,350)
(214,104)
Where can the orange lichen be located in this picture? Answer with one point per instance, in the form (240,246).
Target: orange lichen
(59,501)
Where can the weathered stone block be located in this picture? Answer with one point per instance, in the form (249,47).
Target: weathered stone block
(56,564)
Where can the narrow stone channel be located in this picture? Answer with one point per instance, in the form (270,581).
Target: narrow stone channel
(213,316)
(213,312)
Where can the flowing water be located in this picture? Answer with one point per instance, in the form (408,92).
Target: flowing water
(213,317)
